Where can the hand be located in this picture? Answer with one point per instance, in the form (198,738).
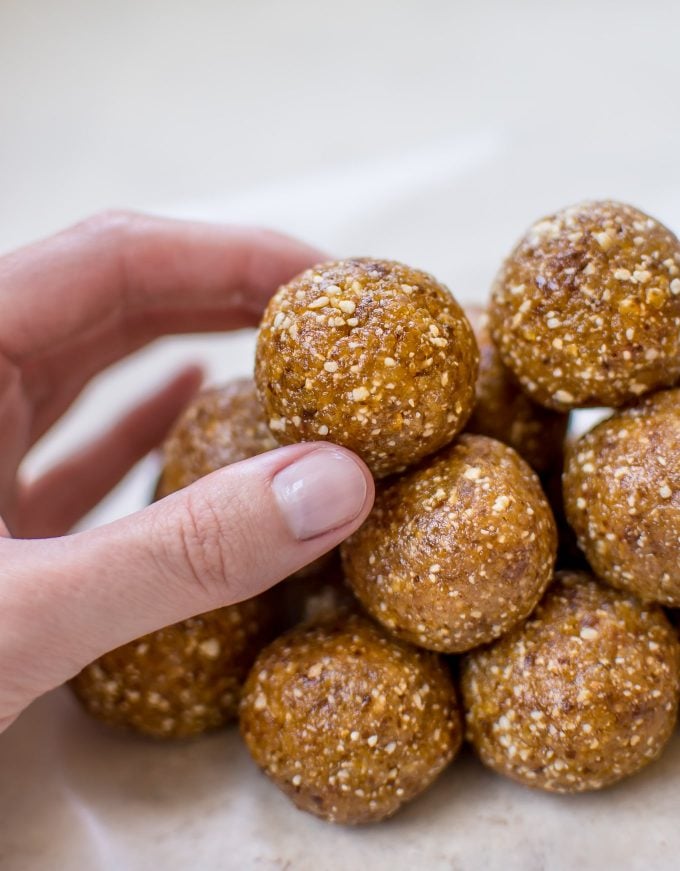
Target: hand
(69,307)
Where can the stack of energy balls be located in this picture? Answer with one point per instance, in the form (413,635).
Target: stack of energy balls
(568,679)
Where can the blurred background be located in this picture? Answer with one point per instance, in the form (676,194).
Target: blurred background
(495,111)
(426,131)
(431,132)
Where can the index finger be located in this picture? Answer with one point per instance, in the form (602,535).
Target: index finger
(76,302)
(121,268)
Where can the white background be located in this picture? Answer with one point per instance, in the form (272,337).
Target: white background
(432,132)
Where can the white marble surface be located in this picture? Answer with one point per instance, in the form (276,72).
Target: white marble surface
(431,132)
(106,802)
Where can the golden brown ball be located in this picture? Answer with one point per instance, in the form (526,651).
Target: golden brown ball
(348,722)
(503,410)
(622,497)
(220,426)
(583,694)
(586,309)
(182,680)
(369,354)
(458,550)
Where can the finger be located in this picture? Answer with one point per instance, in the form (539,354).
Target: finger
(55,502)
(229,536)
(76,302)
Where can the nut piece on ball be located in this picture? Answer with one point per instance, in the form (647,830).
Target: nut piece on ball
(371,355)
(622,497)
(586,309)
(348,722)
(584,694)
(182,680)
(503,410)
(458,550)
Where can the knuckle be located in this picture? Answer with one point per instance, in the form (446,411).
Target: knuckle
(268,236)
(211,544)
(110,222)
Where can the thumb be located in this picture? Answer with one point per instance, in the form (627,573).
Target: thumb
(229,536)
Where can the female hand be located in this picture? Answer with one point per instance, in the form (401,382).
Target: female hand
(69,307)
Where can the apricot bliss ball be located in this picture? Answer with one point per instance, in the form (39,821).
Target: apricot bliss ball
(586,309)
(220,426)
(458,550)
(349,722)
(503,411)
(369,354)
(583,694)
(622,497)
(182,680)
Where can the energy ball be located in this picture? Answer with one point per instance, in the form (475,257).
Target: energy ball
(586,309)
(503,411)
(457,551)
(369,354)
(350,723)
(221,426)
(182,680)
(583,694)
(622,497)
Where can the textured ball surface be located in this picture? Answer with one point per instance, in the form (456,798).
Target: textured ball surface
(458,550)
(583,694)
(371,355)
(622,497)
(220,426)
(348,722)
(182,680)
(586,309)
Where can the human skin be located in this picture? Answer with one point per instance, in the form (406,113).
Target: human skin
(71,306)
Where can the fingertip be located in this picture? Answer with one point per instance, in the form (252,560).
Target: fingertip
(190,376)
(182,387)
(293,246)
(369,480)
(273,258)
(327,489)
